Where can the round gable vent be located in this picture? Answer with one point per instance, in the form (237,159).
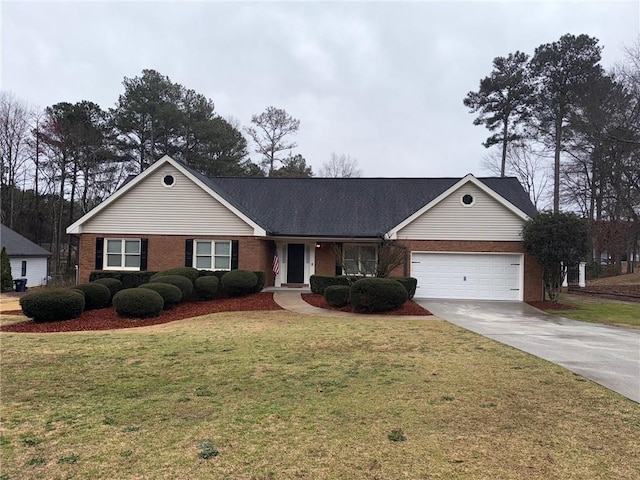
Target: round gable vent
(467,200)
(168,180)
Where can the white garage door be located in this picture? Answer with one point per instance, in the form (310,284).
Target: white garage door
(468,276)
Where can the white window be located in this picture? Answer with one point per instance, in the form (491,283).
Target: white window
(359,259)
(212,255)
(122,254)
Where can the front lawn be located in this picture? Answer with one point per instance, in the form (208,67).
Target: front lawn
(601,311)
(276,395)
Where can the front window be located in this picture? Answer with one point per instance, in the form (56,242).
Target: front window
(212,255)
(122,254)
(359,259)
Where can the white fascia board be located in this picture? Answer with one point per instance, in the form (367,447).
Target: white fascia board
(393,233)
(76,227)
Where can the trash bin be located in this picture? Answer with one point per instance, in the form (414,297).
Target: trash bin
(20,284)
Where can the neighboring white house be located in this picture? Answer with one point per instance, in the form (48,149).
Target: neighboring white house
(28,260)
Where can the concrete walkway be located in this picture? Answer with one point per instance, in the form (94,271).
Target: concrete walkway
(292,301)
(609,356)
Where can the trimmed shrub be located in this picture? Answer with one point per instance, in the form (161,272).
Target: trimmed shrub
(262,278)
(128,279)
(188,272)
(53,304)
(409,283)
(239,282)
(377,295)
(95,295)
(318,283)
(183,283)
(206,273)
(113,284)
(169,293)
(207,287)
(337,295)
(138,303)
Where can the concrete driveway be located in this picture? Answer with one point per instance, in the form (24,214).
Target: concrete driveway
(607,355)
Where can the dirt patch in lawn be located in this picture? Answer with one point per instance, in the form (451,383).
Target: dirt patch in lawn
(630,291)
(409,308)
(108,319)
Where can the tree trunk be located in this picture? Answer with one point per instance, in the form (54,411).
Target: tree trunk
(556,165)
(504,147)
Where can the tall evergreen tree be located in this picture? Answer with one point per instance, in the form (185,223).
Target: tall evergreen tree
(563,71)
(503,101)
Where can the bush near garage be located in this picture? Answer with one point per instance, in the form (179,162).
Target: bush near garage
(53,304)
(113,284)
(183,283)
(337,295)
(377,295)
(128,279)
(171,295)
(96,295)
(207,287)
(138,303)
(409,283)
(187,272)
(262,278)
(237,283)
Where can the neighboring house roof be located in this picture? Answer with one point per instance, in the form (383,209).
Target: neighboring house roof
(333,207)
(19,246)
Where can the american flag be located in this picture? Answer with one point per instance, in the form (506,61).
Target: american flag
(276,264)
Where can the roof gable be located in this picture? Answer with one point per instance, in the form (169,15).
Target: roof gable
(19,246)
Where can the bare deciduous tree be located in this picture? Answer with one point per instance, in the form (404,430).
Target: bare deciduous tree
(340,166)
(271,133)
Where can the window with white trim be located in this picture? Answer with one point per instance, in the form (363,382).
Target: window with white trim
(212,254)
(359,259)
(122,254)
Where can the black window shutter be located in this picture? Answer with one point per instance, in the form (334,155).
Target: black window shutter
(144,249)
(234,254)
(99,252)
(188,253)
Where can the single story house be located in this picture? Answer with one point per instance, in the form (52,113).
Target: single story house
(28,260)
(461,236)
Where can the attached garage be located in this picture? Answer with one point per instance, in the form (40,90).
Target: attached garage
(476,276)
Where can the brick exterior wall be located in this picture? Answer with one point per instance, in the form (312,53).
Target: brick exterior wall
(168,251)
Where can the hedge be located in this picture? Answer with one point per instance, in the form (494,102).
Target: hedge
(377,295)
(53,304)
(96,295)
(171,295)
(188,272)
(183,283)
(337,295)
(409,283)
(128,279)
(318,283)
(138,303)
(239,282)
(207,287)
(113,284)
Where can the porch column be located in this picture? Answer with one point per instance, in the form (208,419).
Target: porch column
(565,280)
(582,276)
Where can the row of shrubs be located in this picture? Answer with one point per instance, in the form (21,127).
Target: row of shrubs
(319,283)
(161,290)
(369,295)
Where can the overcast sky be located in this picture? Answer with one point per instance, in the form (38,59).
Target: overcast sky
(380,81)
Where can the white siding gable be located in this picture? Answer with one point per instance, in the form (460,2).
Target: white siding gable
(449,219)
(153,208)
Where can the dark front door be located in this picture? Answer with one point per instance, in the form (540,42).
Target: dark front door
(295,263)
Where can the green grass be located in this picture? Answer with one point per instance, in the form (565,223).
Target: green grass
(603,311)
(274,395)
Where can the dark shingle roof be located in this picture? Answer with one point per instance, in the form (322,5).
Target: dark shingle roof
(19,246)
(343,207)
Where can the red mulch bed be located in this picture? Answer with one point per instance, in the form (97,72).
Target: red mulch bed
(107,319)
(547,305)
(409,308)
